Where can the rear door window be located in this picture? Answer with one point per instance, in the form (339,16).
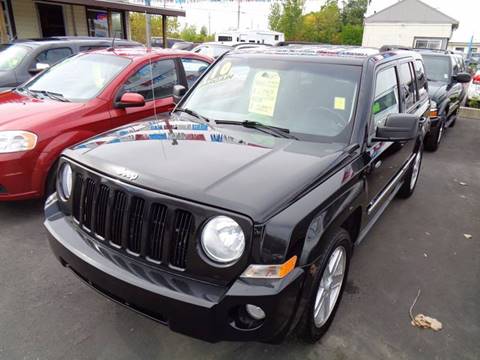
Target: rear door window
(407,85)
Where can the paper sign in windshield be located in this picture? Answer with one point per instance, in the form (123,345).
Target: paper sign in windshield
(339,103)
(264,93)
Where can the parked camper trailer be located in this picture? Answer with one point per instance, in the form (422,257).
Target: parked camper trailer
(250,36)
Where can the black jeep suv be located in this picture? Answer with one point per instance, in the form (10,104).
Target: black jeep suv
(234,218)
(446,76)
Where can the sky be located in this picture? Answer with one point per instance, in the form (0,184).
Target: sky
(220,16)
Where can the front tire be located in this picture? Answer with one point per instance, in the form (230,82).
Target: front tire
(411,178)
(433,139)
(328,286)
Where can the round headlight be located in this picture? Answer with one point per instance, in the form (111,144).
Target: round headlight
(66,181)
(223,239)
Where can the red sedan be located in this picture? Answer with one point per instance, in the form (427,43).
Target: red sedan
(80,97)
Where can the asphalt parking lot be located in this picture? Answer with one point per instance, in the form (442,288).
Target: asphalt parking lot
(47,313)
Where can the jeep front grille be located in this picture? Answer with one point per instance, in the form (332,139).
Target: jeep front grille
(130,223)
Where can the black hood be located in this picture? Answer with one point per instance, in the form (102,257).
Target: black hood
(229,167)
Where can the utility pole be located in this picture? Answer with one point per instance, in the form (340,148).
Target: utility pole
(147,27)
(209,29)
(238,16)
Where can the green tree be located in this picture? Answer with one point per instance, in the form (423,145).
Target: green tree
(275,16)
(353,11)
(291,20)
(323,26)
(352,34)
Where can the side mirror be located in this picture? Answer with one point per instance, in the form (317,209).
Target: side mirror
(130,100)
(398,127)
(39,67)
(178,92)
(462,77)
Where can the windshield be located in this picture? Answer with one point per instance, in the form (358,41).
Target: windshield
(81,77)
(311,99)
(212,51)
(12,56)
(437,68)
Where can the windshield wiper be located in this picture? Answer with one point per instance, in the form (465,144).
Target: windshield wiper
(52,95)
(193,113)
(272,130)
(28,91)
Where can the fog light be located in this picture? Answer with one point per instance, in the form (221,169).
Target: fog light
(255,312)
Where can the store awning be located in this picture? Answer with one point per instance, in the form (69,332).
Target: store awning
(125,6)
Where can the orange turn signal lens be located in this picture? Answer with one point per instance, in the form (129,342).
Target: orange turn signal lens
(433,113)
(270,271)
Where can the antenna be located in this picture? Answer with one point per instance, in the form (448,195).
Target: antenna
(112,48)
(151,76)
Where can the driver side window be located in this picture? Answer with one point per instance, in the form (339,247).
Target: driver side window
(153,81)
(386,99)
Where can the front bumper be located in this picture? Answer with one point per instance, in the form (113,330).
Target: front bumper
(17,176)
(188,306)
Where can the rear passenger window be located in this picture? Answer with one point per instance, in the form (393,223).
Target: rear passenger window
(386,96)
(422,83)
(53,56)
(407,84)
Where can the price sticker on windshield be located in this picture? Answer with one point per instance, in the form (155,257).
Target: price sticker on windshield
(339,103)
(263,96)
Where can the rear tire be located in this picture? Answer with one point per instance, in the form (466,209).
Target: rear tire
(411,178)
(328,286)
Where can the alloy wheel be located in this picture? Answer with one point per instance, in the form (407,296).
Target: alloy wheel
(330,286)
(416,169)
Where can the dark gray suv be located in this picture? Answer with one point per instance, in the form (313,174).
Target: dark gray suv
(25,58)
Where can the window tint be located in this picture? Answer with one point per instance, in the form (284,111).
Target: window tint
(407,84)
(53,56)
(164,75)
(386,96)
(422,84)
(193,69)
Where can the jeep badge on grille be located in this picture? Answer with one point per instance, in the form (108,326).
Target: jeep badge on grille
(127,174)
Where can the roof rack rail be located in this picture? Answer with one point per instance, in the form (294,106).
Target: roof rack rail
(440,51)
(386,48)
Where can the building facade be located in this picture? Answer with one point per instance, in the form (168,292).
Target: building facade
(25,19)
(409,23)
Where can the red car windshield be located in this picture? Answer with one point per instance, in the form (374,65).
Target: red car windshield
(79,78)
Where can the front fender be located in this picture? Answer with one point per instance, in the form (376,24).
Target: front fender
(51,152)
(298,229)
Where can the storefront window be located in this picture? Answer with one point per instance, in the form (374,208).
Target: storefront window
(103,23)
(117,25)
(5,27)
(97,23)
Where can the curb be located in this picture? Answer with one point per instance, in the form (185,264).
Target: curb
(471,113)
